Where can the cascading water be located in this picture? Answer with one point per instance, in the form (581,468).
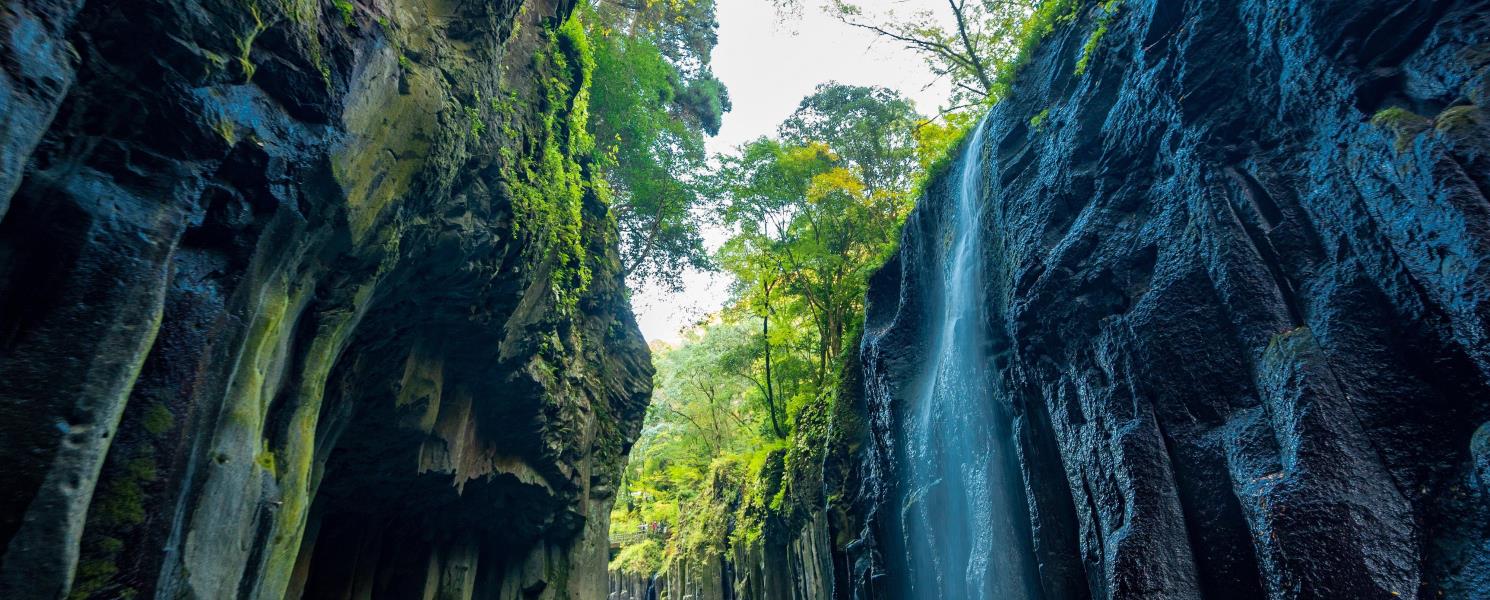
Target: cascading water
(966,522)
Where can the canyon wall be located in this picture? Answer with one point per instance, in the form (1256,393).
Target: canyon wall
(1237,291)
(306,299)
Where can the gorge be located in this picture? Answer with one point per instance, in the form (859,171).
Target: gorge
(305,299)
(1234,297)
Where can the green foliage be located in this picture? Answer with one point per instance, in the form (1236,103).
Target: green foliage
(654,99)
(643,558)
(938,144)
(1109,10)
(1039,118)
(966,42)
(814,213)
(1048,15)
(740,405)
(345,8)
(549,183)
(872,129)
(478,126)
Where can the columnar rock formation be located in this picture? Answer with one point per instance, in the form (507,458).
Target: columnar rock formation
(1237,264)
(304,298)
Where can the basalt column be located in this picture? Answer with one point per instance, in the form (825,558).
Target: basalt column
(1235,306)
(306,299)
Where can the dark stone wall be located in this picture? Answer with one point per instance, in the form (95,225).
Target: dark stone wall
(1239,296)
(278,316)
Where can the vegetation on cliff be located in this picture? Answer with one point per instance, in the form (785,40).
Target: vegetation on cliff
(744,408)
(741,403)
(654,100)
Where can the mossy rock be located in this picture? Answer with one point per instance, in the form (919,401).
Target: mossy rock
(1459,120)
(1403,123)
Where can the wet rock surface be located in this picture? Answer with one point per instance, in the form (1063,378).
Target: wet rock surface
(1238,295)
(280,315)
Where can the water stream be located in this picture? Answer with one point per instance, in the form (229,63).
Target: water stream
(967,525)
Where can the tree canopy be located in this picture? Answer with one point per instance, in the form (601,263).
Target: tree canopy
(968,42)
(810,212)
(653,99)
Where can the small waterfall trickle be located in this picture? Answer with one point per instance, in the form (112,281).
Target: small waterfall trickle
(966,522)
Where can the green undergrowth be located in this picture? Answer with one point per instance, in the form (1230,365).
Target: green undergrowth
(642,558)
(549,184)
(759,498)
(1093,41)
(1038,121)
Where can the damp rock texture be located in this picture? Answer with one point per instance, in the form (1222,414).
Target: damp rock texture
(1237,290)
(306,298)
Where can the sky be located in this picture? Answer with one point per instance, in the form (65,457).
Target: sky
(769,62)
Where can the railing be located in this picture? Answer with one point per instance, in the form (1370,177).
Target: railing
(627,539)
(632,537)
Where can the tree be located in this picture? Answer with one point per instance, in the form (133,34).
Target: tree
(967,43)
(811,213)
(870,128)
(653,98)
(806,213)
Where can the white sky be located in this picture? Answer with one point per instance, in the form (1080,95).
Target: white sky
(770,62)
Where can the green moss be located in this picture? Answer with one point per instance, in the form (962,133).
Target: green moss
(291,462)
(1459,118)
(549,184)
(227,131)
(345,8)
(215,62)
(122,504)
(1039,119)
(265,459)
(392,138)
(140,468)
(1405,124)
(158,419)
(305,14)
(110,545)
(92,576)
(246,41)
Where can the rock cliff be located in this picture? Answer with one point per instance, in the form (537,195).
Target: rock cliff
(1237,286)
(306,299)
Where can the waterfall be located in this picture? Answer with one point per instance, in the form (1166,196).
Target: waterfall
(966,522)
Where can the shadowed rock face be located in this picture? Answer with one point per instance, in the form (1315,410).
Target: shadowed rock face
(283,311)
(1242,327)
